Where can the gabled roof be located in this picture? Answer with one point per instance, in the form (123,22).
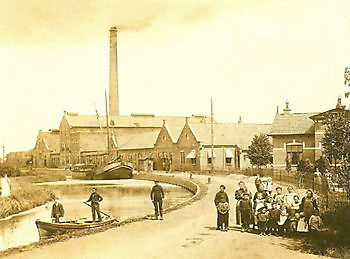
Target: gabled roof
(51,140)
(174,132)
(240,134)
(134,120)
(292,123)
(323,115)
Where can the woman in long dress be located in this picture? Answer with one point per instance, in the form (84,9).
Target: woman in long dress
(5,186)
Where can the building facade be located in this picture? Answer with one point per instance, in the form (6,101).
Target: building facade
(298,136)
(46,149)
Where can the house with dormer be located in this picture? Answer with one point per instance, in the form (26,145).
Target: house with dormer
(298,136)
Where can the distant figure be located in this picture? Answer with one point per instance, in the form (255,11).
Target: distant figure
(95,199)
(57,211)
(149,165)
(5,186)
(157,196)
(317,180)
(221,202)
(258,182)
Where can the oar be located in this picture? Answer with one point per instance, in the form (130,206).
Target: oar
(100,211)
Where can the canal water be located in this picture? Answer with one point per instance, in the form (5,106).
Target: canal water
(121,199)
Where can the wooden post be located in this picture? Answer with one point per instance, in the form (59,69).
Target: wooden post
(212,135)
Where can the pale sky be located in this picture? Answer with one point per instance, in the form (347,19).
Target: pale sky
(250,56)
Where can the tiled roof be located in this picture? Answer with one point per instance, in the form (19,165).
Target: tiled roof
(96,141)
(140,140)
(240,134)
(76,120)
(293,123)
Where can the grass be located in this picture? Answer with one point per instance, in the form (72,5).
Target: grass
(24,196)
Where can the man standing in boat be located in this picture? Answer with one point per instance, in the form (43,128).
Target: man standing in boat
(95,199)
(57,211)
(157,196)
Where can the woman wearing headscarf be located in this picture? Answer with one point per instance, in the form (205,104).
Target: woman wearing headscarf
(308,205)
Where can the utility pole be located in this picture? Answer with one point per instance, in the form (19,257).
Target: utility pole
(212,135)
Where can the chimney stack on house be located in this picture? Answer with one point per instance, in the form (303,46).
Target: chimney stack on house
(113,73)
(339,105)
(287,110)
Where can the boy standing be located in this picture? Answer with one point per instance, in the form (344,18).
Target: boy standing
(274,218)
(245,208)
(263,217)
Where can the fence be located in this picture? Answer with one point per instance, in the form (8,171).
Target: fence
(329,197)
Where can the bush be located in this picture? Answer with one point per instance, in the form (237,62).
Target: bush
(9,170)
(24,196)
(339,224)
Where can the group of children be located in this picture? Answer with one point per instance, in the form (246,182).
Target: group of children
(279,213)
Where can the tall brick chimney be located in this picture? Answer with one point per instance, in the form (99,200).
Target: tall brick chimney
(113,73)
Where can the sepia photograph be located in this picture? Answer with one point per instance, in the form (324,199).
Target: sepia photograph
(174,129)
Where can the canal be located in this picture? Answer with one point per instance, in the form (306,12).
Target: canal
(121,199)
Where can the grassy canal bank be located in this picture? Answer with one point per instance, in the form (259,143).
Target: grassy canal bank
(25,194)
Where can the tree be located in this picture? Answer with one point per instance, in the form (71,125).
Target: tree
(322,164)
(336,143)
(260,151)
(305,166)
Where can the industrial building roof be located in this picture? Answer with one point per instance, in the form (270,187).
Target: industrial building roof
(93,141)
(133,120)
(144,140)
(240,134)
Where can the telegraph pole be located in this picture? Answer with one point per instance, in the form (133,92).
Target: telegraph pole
(212,135)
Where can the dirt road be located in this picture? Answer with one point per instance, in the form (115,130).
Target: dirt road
(185,233)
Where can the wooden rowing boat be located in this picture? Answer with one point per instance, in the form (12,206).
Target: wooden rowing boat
(48,228)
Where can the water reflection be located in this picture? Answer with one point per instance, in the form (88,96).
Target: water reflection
(124,199)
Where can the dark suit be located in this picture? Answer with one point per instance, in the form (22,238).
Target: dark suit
(95,198)
(57,212)
(157,196)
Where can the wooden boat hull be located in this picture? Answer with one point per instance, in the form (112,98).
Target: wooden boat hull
(49,229)
(115,172)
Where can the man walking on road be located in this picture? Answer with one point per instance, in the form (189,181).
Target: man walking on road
(157,196)
(95,199)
